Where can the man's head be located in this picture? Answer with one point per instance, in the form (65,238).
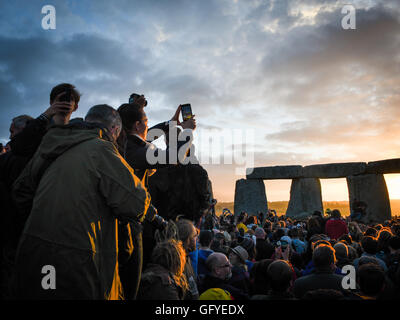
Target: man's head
(219,266)
(336,214)
(260,233)
(341,250)
(206,236)
(134,119)
(267,226)
(63,87)
(394,244)
(371,232)
(369,245)
(371,279)
(318,242)
(280,275)
(107,116)
(248,244)
(18,124)
(324,257)
(187,233)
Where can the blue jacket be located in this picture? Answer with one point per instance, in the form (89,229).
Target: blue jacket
(198,259)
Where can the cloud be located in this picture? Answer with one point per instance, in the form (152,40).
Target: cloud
(286,69)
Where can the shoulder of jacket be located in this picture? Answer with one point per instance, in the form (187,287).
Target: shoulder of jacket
(157,275)
(135,141)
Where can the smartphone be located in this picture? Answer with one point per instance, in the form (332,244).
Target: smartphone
(67,96)
(135,96)
(186,111)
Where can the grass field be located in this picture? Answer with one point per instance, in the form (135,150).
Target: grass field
(281,206)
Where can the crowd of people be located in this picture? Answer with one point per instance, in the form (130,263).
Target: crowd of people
(81,197)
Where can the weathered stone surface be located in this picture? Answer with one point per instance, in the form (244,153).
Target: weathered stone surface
(277,172)
(334,170)
(305,196)
(370,188)
(255,173)
(384,166)
(250,197)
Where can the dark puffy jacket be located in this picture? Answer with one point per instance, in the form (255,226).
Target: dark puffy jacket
(317,280)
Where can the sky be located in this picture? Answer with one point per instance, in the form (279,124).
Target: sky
(274,82)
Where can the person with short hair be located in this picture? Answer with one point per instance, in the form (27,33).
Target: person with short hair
(26,135)
(18,124)
(369,247)
(220,271)
(342,254)
(371,281)
(393,262)
(298,245)
(202,253)
(264,249)
(280,275)
(324,260)
(81,187)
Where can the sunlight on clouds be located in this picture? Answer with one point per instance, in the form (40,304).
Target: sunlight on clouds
(161,36)
(308,12)
(271,27)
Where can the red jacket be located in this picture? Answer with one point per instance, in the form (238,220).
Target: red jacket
(335,228)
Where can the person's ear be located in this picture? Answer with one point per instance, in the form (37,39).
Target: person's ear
(136,126)
(75,107)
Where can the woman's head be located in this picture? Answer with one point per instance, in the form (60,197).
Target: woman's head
(172,256)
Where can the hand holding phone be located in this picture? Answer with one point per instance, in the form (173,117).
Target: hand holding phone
(189,124)
(186,111)
(66,96)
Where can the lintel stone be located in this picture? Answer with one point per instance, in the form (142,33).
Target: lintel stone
(384,166)
(276,172)
(334,170)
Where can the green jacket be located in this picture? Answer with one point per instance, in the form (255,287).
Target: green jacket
(79,198)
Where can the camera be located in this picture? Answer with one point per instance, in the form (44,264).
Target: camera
(154,219)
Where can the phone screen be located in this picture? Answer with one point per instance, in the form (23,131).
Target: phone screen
(186,111)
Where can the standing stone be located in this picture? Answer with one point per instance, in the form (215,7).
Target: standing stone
(370,188)
(305,197)
(250,197)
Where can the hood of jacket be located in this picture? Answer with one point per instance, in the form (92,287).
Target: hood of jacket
(59,139)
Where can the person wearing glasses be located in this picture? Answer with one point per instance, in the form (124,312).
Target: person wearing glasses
(220,271)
